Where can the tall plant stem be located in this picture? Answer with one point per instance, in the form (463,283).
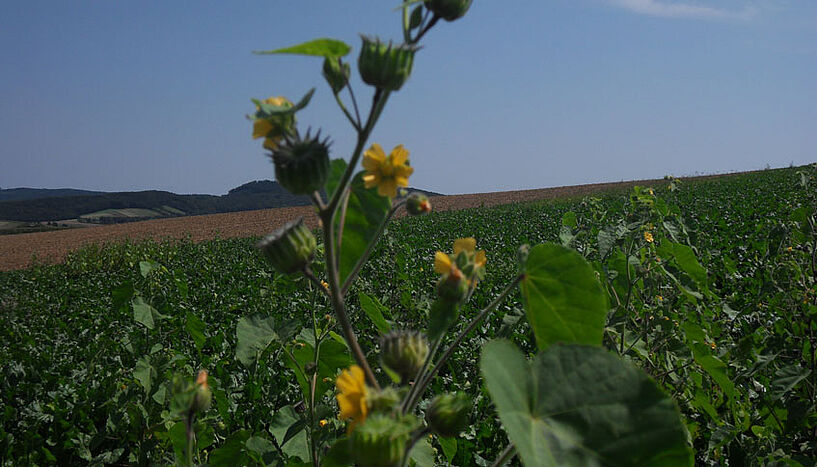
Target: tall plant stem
(474,323)
(336,297)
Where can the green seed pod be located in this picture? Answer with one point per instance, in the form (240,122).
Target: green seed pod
(381,440)
(336,73)
(302,164)
(453,287)
(404,352)
(383,400)
(289,249)
(448,413)
(385,66)
(417,204)
(448,10)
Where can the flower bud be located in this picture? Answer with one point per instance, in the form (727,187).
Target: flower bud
(417,204)
(448,10)
(203,396)
(404,352)
(453,287)
(380,441)
(385,66)
(302,164)
(448,413)
(336,73)
(289,249)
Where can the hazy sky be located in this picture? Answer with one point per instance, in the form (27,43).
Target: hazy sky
(130,95)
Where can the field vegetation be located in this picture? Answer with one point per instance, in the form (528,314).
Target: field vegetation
(711,289)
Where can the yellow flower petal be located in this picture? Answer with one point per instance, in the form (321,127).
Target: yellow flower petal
(371,180)
(480,258)
(399,155)
(442,263)
(401,181)
(464,244)
(261,128)
(387,187)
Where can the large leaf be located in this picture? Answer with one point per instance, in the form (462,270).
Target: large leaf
(563,298)
(329,48)
(143,312)
(195,326)
(365,211)
(254,335)
(580,405)
(374,310)
(686,260)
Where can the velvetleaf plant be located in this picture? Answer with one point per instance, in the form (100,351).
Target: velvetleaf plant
(573,404)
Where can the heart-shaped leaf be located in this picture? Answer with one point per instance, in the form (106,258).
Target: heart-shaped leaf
(563,298)
(581,405)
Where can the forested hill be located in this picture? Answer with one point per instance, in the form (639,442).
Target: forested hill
(261,194)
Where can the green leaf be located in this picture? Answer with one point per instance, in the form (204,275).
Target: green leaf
(284,419)
(195,326)
(685,259)
(146,267)
(374,310)
(254,334)
(329,48)
(580,405)
(143,372)
(563,299)
(232,452)
(143,312)
(422,454)
(365,211)
(449,446)
(714,367)
(336,169)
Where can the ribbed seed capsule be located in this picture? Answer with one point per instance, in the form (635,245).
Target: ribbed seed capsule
(448,10)
(302,164)
(448,413)
(404,352)
(289,249)
(336,73)
(381,440)
(385,66)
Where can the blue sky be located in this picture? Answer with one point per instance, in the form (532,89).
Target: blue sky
(131,95)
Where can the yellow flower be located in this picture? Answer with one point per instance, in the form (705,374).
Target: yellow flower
(650,191)
(272,130)
(325,285)
(352,396)
(323,422)
(660,298)
(386,172)
(648,237)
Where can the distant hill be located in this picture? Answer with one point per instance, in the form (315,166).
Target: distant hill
(18,194)
(100,207)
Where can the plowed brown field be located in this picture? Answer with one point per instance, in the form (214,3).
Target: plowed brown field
(17,251)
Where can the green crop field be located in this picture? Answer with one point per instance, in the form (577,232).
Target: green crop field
(711,289)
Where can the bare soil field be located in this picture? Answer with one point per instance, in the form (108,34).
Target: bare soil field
(18,251)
